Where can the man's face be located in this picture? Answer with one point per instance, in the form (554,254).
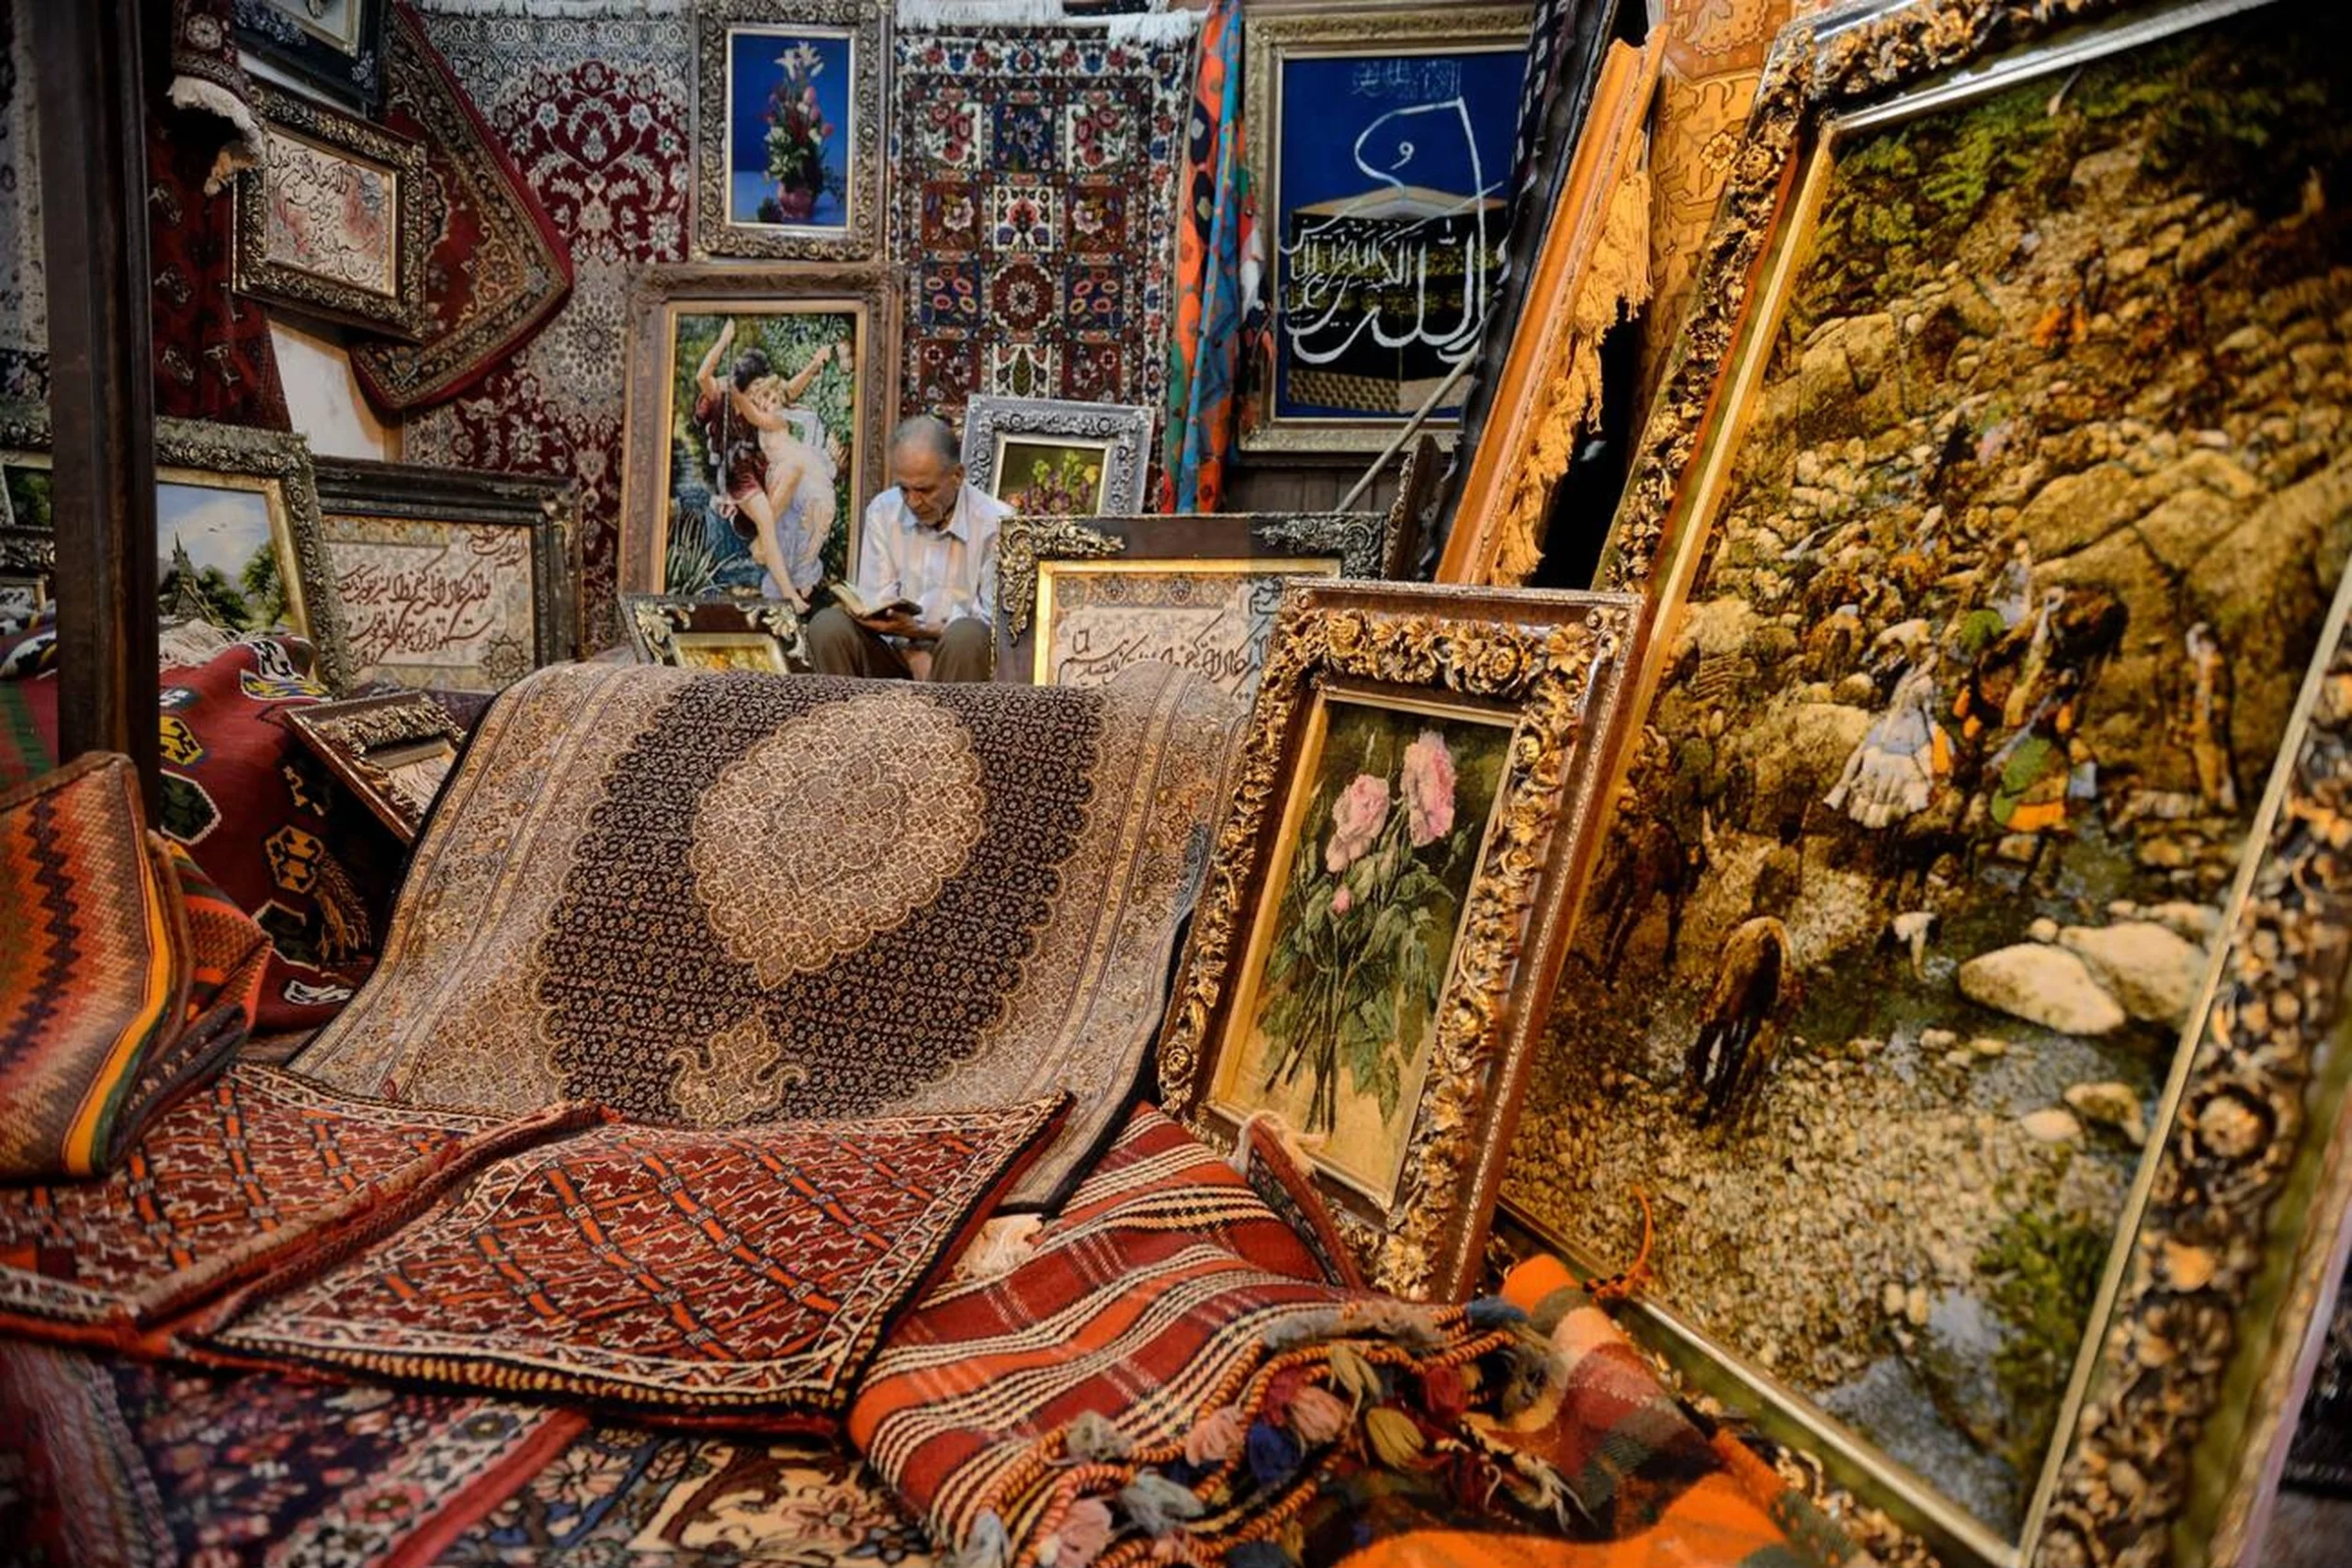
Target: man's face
(927,480)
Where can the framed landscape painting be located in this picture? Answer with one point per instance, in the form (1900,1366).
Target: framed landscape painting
(1080,599)
(1381,152)
(238,540)
(788,129)
(333,222)
(1403,835)
(1049,457)
(758,405)
(449,578)
(1957,971)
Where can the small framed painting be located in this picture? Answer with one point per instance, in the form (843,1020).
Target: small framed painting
(758,398)
(449,578)
(1081,599)
(335,47)
(1047,458)
(788,129)
(1415,769)
(237,534)
(715,634)
(334,223)
(393,752)
(1383,170)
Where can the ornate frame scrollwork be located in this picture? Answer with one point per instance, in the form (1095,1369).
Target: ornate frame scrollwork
(353,739)
(1555,658)
(400,313)
(859,239)
(281,459)
(1022,542)
(1124,432)
(655,621)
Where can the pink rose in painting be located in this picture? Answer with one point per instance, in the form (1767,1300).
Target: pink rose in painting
(1428,789)
(1343,901)
(1356,816)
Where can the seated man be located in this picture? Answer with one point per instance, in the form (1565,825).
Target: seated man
(929,539)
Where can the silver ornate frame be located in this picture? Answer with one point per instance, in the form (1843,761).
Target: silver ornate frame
(1124,432)
(860,239)
(282,460)
(652,621)
(400,313)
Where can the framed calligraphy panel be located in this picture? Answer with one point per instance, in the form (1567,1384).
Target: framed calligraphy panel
(449,579)
(1388,193)
(1080,599)
(334,221)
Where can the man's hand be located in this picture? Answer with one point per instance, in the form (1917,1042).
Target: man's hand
(899,623)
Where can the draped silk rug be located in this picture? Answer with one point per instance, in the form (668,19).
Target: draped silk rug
(747,1275)
(1035,172)
(721,899)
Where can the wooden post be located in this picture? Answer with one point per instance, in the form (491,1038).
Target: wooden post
(93,208)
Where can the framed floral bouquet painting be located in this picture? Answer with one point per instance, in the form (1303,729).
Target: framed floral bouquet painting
(789,129)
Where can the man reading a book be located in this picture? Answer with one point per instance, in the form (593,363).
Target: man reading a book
(925,601)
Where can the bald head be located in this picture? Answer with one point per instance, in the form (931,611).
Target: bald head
(927,467)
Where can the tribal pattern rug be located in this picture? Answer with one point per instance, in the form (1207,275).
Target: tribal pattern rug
(248,1174)
(594,111)
(742,1274)
(1036,178)
(627,1497)
(144,1467)
(720,898)
(498,266)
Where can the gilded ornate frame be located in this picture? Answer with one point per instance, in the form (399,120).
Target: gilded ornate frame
(663,292)
(2175,1418)
(548,508)
(862,23)
(193,452)
(1554,659)
(398,312)
(1382,33)
(655,623)
(1123,433)
(365,739)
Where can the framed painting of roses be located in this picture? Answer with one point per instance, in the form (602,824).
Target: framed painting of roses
(788,129)
(1385,894)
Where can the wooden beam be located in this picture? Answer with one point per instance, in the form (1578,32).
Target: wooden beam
(94,207)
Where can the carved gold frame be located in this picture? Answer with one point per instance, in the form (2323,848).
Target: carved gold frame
(1373,33)
(862,25)
(368,742)
(2175,1419)
(399,309)
(1554,661)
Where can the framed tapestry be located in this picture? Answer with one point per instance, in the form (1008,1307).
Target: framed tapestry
(788,129)
(335,47)
(1385,192)
(1382,892)
(715,634)
(237,534)
(393,752)
(447,577)
(1078,599)
(333,222)
(759,401)
(1956,966)
(1046,457)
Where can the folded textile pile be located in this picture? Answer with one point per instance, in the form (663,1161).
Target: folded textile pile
(1170,1376)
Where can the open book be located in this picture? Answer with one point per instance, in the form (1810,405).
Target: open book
(846,596)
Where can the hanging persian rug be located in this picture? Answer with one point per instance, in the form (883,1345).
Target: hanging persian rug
(1209,244)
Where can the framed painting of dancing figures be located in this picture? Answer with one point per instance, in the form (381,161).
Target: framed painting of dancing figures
(757,407)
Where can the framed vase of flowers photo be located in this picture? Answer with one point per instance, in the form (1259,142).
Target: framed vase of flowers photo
(788,129)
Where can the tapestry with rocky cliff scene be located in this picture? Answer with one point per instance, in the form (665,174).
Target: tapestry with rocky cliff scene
(724,898)
(1965,726)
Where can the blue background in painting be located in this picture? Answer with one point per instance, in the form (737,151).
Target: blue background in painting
(752,54)
(1325,107)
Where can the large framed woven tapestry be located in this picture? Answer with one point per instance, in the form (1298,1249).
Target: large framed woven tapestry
(237,531)
(450,578)
(759,400)
(335,47)
(788,129)
(1049,457)
(1958,961)
(1082,598)
(333,222)
(1380,148)
(1374,933)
